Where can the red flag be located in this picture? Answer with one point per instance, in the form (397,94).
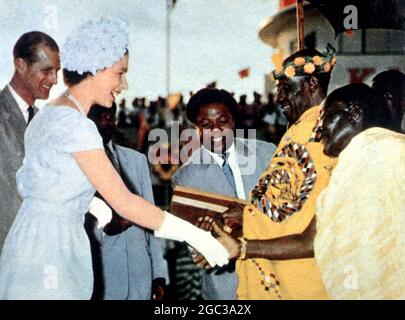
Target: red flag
(244,73)
(349,33)
(285,3)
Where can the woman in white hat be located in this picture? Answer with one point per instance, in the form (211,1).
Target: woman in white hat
(46,254)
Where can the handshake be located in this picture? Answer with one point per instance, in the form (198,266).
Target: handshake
(213,245)
(226,232)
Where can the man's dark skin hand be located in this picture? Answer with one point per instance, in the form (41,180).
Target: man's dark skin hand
(296,246)
(230,243)
(158,289)
(233,218)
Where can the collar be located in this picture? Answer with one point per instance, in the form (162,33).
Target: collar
(22,105)
(217,157)
(110,144)
(20,101)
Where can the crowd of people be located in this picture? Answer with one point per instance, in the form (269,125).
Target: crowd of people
(323,182)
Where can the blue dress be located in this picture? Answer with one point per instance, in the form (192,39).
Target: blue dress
(46,254)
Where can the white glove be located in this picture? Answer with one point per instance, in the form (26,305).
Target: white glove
(101,211)
(174,228)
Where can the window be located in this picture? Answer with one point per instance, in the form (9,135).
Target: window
(350,42)
(372,41)
(385,41)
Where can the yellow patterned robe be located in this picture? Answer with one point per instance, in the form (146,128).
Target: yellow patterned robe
(282,204)
(360,239)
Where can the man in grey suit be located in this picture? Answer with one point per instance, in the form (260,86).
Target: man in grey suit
(223,164)
(129,264)
(36,63)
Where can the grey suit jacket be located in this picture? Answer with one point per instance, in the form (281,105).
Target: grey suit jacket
(253,157)
(12,129)
(133,258)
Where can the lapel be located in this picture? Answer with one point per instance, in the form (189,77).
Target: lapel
(13,116)
(244,153)
(128,173)
(212,175)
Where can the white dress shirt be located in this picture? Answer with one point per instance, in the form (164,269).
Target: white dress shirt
(22,105)
(233,163)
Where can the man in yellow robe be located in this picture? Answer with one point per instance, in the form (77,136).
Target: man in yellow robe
(275,254)
(278,226)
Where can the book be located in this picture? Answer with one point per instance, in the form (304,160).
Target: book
(191,204)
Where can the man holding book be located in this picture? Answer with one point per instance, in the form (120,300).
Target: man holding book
(224,164)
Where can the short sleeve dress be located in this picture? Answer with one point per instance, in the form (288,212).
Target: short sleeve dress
(46,254)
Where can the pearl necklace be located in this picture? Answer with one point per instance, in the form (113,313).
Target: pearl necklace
(76,102)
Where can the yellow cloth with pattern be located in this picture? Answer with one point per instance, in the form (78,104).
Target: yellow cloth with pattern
(360,240)
(291,195)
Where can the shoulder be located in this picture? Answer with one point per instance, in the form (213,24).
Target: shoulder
(130,153)
(182,172)
(6,97)
(127,151)
(376,144)
(189,168)
(66,118)
(2,94)
(312,114)
(66,127)
(265,146)
(60,112)
(254,146)
(194,159)
(308,118)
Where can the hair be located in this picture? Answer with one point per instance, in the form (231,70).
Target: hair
(208,96)
(96,111)
(72,78)
(323,78)
(27,45)
(372,104)
(391,81)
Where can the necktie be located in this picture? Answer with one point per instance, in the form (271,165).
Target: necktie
(30,113)
(227,171)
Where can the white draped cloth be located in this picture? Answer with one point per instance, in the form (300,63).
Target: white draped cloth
(360,240)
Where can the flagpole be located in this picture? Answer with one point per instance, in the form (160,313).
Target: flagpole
(168,9)
(300,23)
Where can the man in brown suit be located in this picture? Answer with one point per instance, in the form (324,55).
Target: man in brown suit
(36,63)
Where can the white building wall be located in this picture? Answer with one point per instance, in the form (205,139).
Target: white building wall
(368,64)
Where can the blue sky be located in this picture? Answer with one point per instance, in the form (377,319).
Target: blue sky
(211,40)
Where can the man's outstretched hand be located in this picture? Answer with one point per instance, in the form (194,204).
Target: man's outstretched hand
(230,244)
(233,218)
